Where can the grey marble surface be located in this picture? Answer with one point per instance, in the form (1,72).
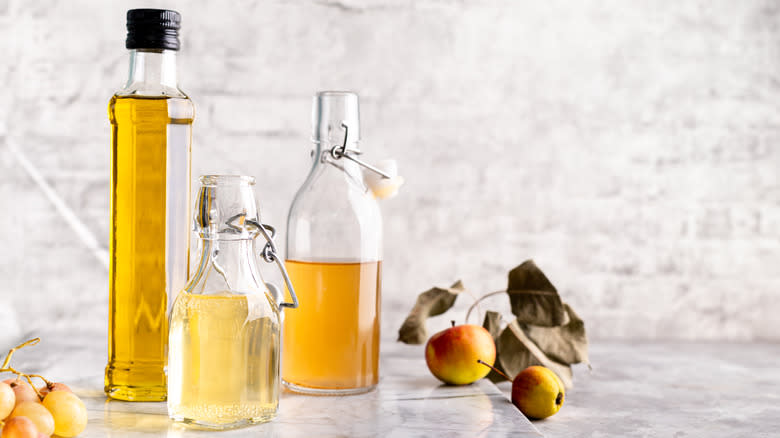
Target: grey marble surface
(634,390)
(672,390)
(409,402)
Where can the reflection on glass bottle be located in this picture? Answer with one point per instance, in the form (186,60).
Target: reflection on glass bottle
(334,253)
(223,368)
(151,122)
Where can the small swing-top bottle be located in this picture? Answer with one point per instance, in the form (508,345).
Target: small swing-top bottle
(223,366)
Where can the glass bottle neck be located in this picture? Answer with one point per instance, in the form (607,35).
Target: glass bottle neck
(319,148)
(226,265)
(152,67)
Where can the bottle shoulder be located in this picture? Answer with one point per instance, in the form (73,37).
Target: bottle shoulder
(246,306)
(330,181)
(151,90)
(336,200)
(174,109)
(332,218)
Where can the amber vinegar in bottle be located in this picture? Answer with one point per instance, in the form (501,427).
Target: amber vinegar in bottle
(340,299)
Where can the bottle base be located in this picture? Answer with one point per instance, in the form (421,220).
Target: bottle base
(136,381)
(327,391)
(137,394)
(206,425)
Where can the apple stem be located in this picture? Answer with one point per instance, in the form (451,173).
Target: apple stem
(494,369)
(453,322)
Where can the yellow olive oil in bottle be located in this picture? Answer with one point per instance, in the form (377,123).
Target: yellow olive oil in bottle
(150,211)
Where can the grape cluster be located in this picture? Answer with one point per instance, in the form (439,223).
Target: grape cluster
(27,412)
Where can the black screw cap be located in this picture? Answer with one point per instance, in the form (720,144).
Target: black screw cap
(153,29)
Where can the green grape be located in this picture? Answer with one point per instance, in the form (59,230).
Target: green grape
(38,414)
(7,400)
(24,392)
(56,386)
(69,412)
(20,427)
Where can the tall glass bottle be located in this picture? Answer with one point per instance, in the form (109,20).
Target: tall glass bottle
(334,256)
(151,122)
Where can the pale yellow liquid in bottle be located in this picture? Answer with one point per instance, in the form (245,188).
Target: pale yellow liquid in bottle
(149,255)
(331,342)
(224,360)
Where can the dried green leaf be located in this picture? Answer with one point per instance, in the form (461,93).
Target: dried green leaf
(429,303)
(492,323)
(516,352)
(567,343)
(533,298)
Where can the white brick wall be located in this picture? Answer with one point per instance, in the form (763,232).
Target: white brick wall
(631,149)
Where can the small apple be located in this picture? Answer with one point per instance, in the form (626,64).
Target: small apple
(452,354)
(538,392)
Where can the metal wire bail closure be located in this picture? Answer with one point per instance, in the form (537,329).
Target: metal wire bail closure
(341,151)
(270,256)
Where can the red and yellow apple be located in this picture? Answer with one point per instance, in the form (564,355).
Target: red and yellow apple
(538,392)
(452,354)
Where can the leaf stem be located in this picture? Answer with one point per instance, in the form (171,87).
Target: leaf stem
(480,299)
